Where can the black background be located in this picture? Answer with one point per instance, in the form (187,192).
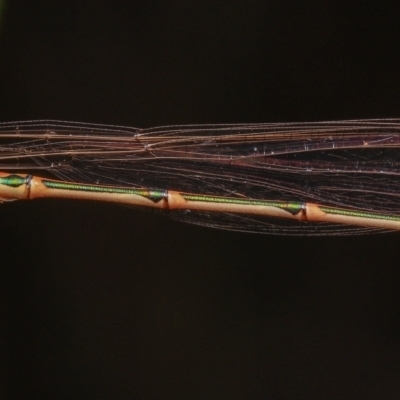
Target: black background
(99,301)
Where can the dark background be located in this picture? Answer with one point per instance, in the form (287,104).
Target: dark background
(99,301)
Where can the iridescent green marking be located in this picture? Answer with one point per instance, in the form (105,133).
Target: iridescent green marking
(360,214)
(291,207)
(153,195)
(14,180)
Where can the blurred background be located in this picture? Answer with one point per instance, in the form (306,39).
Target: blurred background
(100,301)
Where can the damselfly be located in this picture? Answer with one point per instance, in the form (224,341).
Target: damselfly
(295,178)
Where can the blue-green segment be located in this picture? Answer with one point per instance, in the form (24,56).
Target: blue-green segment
(361,214)
(153,195)
(14,180)
(291,207)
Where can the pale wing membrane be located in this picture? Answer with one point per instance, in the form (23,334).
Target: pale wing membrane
(349,164)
